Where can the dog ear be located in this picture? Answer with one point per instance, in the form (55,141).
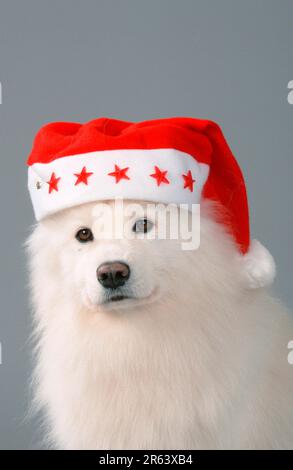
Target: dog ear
(258,265)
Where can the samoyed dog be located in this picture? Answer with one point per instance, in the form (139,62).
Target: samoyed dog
(141,344)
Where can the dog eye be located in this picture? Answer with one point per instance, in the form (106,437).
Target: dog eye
(84,235)
(142,226)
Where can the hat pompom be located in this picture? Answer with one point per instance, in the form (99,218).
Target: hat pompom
(259,266)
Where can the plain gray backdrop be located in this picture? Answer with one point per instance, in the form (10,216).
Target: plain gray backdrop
(225,60)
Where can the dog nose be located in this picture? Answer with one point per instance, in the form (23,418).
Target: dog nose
(113,275)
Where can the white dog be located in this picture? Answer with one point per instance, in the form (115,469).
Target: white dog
(142,345)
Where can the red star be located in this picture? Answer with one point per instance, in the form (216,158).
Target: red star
(82,177)
(120,173)
(53,183)
(160,176)
(188,181)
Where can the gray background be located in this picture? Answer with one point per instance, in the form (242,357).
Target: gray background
(74,60)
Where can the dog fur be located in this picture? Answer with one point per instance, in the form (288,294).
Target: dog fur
(196,361)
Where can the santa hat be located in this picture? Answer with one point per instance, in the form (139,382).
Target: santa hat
(175,160)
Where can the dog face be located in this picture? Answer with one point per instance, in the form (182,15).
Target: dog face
(108,271)
(101,268)
(77,258)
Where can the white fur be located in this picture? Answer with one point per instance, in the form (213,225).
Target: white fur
(197,361)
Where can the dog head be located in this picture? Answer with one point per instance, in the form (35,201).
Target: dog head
(77,259)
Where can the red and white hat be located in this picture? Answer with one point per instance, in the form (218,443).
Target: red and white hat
(178,160)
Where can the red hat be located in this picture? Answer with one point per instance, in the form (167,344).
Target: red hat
(178,160)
